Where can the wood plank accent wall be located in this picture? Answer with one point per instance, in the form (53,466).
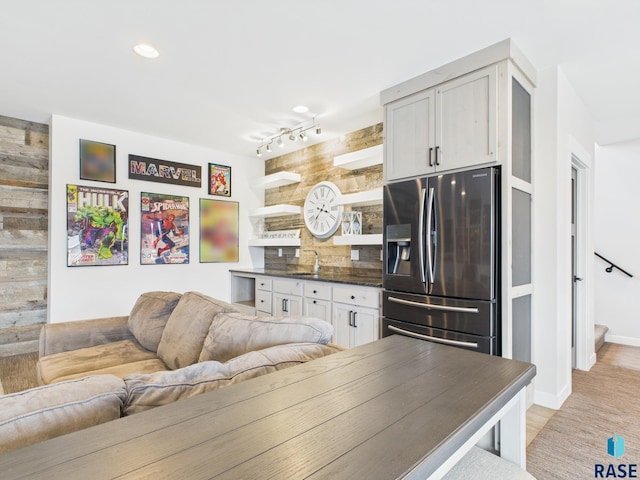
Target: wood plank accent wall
(24,185)
(315,164)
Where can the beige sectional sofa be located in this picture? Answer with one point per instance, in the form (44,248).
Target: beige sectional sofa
(171,346)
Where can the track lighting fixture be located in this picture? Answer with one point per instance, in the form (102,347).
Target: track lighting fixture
(293,134)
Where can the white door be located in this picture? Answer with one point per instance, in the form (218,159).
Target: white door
(366,323)
(342,320)
(574,274)
(466,111)
(318,309)
(409,136)
(286,305)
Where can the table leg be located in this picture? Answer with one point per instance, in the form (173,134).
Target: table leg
(513,431)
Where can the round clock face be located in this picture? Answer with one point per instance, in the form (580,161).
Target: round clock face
(321,211)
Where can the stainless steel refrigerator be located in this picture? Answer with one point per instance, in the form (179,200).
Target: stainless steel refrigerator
(441,273)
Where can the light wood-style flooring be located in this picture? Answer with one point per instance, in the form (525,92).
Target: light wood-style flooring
(610,353)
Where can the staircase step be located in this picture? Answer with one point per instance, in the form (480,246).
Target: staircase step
(600,331)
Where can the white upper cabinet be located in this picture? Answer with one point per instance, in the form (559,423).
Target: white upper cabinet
(409,135)
(450,126)
(466,111)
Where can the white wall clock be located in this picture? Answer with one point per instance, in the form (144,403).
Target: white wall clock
(321,210)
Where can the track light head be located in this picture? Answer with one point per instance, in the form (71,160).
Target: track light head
(300,131)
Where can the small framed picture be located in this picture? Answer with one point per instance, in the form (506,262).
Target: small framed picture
(218,230)
(219,180)
(97,161)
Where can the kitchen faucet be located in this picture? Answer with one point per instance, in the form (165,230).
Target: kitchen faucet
(316,267)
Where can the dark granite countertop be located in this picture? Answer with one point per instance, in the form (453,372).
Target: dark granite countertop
(322,276)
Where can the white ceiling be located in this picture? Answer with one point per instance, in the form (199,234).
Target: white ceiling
(229,72)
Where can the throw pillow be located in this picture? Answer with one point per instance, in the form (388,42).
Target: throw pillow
(149,316)
(233,334)
(188,324)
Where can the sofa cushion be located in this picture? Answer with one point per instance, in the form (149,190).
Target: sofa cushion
(188,324)
(148,391)
(45,412)
(149,316)
(233,334)
(117,358)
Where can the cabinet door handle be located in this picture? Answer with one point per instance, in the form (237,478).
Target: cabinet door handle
(437,161)
(430,155)
(353,297)
(315,301)
(355,319)
(351,318)
(284,305)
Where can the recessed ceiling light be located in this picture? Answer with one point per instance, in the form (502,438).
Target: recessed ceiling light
(145,50)
(301,109)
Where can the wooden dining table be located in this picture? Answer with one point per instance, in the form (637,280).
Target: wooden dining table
(394,408)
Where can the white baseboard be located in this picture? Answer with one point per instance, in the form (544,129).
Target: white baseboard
(549,400)
(631,341)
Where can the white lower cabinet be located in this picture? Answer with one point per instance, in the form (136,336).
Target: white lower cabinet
(356,315)
(318,309)
(354,311)
(262,296)
(286,304)
(317,300)
(287,297)
(355,325)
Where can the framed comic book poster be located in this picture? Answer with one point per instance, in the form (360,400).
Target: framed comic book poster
(218,231)
(219,180)
(97,226)
(164,229)
(97,161)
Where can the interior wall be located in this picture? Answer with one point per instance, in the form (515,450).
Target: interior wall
(315,164)
(562,123)
(617,229)
(24,167)
(97,291)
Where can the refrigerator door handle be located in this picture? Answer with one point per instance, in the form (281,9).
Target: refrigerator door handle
(421,234)
(430,252)
(430,306)
(456,343)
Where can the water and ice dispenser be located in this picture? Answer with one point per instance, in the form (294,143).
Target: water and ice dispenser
(398,245)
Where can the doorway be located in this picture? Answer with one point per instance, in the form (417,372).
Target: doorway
(581,255)
(574,270)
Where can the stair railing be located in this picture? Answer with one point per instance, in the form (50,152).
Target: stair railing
(612,265)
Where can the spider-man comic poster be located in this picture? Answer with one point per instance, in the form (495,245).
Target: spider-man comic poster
(97,226)
(164,229)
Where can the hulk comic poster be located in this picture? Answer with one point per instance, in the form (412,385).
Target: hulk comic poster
(164,229)
(97,226)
